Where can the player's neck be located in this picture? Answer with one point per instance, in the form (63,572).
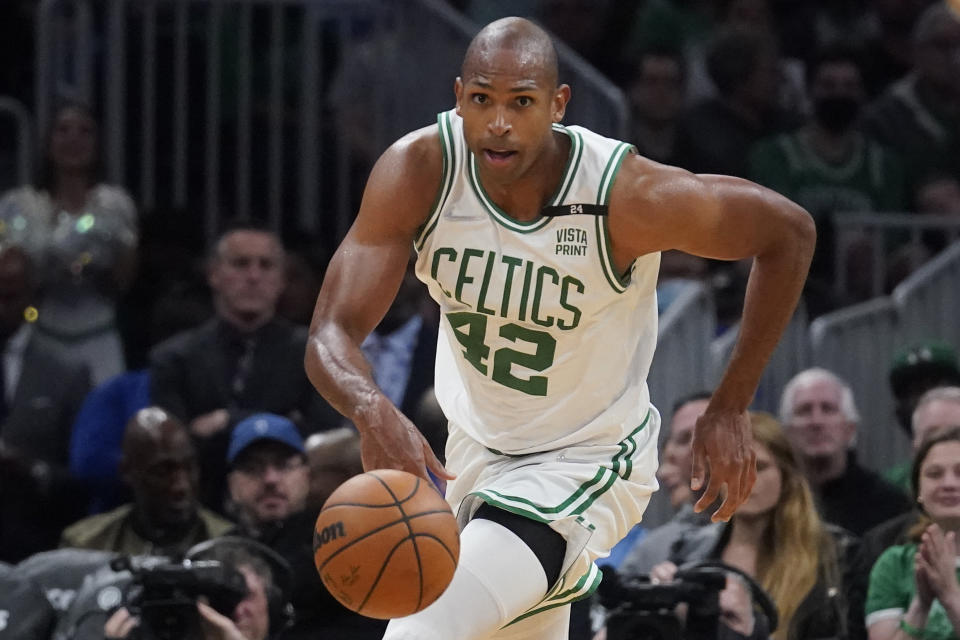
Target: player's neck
(524,198)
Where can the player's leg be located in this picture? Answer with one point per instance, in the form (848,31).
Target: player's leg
(500,575)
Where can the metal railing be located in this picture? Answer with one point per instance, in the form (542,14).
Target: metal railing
(19,115)
(274,109)
(878,230)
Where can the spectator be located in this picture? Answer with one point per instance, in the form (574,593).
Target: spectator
(828,166)
(242,361)
(674,475)
(919,115)
(820,419)
(656,97)
(269,482)
(37,495)
(777,538)
(255,617)
(160,466)
(83,235)
(334,458)
(938,409)
(716,134)
(915,588)
(917,369)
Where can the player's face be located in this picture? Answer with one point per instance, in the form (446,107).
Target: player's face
(269,482)
(939,490)
(767,488)
(818,427)
(934,415)
(252,615)
(247,275)
(675,469)
(508,107)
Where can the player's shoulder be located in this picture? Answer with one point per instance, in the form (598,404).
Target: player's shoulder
(418,153)
(642,181)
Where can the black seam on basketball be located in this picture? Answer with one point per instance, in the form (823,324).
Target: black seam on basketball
(383,567)
(390,491)
(406,521)
(439,540)
(403,519)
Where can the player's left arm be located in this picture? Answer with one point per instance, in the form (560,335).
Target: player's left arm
(654,208)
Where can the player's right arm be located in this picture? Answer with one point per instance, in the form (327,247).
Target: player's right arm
(360,284)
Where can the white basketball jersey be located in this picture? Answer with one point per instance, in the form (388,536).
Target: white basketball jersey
(542,343)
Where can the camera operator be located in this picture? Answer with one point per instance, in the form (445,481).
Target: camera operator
(701,603)
(777,538)
(249,619)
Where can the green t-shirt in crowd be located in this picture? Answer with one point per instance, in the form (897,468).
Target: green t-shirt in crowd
(892,588)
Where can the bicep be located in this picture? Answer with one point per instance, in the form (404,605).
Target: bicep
(712,216)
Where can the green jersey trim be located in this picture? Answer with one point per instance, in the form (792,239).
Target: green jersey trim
(618,283)
(621,466)
(449,149)
(502,217)
(611,170)
(584,588)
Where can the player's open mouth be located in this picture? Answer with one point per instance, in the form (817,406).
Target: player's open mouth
(498,157)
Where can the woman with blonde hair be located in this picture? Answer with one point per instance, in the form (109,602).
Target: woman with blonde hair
(777,538)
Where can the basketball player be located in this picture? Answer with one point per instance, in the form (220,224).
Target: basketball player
(541,244)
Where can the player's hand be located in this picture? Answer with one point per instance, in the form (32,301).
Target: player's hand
(723,457)
(390,441)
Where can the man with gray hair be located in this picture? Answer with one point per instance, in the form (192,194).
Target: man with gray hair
(820,416)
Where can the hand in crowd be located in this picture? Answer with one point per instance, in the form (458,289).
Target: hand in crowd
(663,572)
(209,423)
(935,565)
(217,626)
(120,624)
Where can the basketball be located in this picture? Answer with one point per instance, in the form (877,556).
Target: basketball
(386,544)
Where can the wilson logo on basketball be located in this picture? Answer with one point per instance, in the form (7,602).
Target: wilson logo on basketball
(331,532)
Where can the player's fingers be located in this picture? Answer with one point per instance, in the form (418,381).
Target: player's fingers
(709,494)
(731,501)
(433,463)
(698,470)
(748,477)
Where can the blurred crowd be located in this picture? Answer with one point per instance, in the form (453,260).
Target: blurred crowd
(152,392)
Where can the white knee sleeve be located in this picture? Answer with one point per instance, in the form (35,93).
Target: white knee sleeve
(497,579)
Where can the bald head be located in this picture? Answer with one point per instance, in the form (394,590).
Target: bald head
(160,466)
(147,429)
(529,44)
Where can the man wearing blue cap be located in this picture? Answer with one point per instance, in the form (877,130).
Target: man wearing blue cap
(269,480)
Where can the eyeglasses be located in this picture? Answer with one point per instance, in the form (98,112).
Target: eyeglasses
(258,466)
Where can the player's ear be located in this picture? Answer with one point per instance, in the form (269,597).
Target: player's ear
(560,99)
(458,91)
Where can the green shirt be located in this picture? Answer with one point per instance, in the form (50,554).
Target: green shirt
(892,588)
